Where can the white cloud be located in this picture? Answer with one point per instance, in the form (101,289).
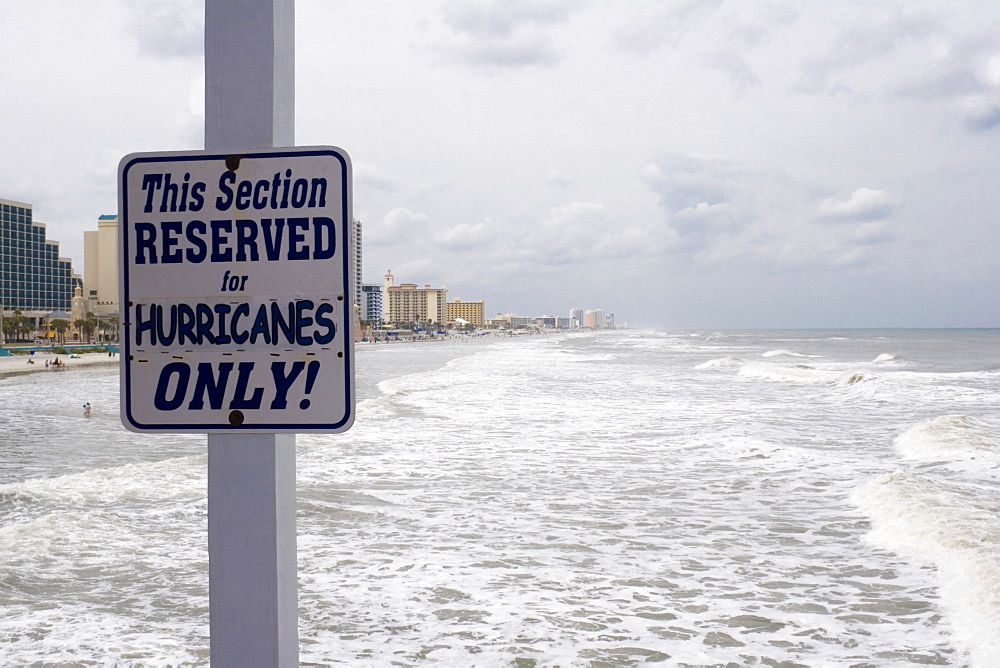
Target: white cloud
(501,34)
(399,227)
(863,205)
(516,51)
(867,234)
(683,182)
(558,179)
(850,257)
(414,269)
(575,233)
(584,231)
(722,35)
(921,51)
(858,48)
(167,28)
(370,177)
(725,215)
(702,200)
(702,211)
(981,112)
(502,18)
(695,224)
(469,236)
(990,72)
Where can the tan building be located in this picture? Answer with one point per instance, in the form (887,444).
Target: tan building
(406,303)
(473,312)
(594,319)
(100,267)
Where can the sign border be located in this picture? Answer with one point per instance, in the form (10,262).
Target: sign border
(125,402)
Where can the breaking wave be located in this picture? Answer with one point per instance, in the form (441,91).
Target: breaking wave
(721,363)
(787,353)
(957,532)
(953,436)
(856,378)
(803,373)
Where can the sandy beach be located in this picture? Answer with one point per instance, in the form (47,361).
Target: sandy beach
(19,363)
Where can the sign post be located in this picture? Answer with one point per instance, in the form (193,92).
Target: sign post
(250,100)
(235,289)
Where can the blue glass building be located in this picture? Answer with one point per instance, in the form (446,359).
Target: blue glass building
(33,278)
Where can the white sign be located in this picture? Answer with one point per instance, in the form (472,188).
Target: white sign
(235,291)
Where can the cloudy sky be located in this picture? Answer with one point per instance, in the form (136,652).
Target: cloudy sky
(710,164)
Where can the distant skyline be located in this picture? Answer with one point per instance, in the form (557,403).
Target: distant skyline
(716,164)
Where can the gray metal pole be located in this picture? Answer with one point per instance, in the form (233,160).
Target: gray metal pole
(253,605)
(249,73)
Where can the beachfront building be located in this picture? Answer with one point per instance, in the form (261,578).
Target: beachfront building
(513,321)
(33,278)
(355,262)
(576,314)
(497,322)
(100,268)
(594,319)
(406,303)
(372,308)
(470,312)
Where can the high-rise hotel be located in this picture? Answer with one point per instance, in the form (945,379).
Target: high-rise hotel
(406,303)
(473,313)
(100,267)
(33,278)
(355,257)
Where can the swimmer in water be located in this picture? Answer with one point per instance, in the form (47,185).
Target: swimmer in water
(86,409)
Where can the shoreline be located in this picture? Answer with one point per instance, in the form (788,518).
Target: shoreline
(18,364)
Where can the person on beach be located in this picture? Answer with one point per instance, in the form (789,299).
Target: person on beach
(86,409)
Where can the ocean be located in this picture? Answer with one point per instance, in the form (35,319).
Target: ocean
(814,498)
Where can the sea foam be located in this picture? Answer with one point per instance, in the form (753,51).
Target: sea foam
(799,373)
(949,436)
(958,533)
(786,353)
(721,363)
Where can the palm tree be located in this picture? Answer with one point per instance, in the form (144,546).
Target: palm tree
(8,326)
(90,326)
(60,325)
(87,326)
(13,325)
